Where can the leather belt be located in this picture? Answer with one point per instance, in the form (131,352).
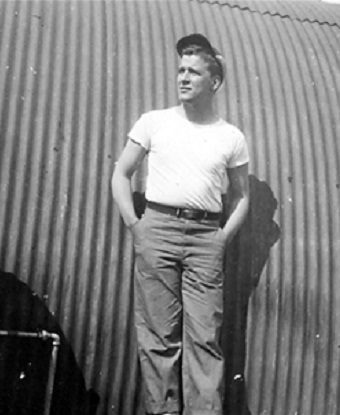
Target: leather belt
(185,213)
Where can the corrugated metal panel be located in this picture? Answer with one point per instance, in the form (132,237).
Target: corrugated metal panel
(299,10)
(74,77)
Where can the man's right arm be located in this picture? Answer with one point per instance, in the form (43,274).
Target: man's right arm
(127,164)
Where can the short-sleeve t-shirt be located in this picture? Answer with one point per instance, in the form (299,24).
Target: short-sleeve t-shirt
(188,162)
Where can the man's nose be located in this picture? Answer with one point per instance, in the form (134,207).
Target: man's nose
(184,76)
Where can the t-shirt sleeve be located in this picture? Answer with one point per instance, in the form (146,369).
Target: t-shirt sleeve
(140,132)
(240,154)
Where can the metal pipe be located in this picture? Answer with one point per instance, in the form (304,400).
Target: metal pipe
(43,335)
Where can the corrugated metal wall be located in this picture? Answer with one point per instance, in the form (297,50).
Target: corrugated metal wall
(74,76)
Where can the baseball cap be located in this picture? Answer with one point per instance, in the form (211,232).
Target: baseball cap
(197,39)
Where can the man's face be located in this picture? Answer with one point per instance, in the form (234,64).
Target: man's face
(194,80)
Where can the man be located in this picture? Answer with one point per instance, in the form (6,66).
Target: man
(179,244)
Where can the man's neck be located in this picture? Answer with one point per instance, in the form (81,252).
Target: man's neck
(200,114)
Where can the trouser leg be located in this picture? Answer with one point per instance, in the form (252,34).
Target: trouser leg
(203,363)
(158,315)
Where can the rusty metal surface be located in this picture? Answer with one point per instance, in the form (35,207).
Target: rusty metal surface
(74,76)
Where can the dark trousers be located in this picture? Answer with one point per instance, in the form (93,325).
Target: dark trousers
(178,313)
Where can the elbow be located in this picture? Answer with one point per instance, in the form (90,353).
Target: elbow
(113,188)
(115,184)
(246,204)
(120,180)
(247,201)
(243,204)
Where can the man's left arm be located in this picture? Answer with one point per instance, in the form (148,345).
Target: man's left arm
(239,188)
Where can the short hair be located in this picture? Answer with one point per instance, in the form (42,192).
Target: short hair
(210,56)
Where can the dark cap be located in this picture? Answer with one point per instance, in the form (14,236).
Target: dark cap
(194,39)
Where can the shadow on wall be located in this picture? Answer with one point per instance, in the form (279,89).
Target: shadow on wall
(24,363)
(244,264)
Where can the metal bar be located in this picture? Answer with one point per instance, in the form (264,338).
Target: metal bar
(43,335)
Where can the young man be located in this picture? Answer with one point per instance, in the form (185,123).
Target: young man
(179,243)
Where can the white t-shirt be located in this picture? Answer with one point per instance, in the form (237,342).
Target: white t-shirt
(187,162)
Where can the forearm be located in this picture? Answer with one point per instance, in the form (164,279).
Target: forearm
(238,214)
(122,194)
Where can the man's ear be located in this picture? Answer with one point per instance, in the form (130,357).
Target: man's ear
(216,83)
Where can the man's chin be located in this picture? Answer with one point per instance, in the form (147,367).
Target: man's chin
(185,98)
